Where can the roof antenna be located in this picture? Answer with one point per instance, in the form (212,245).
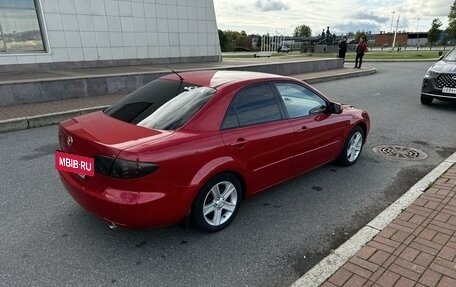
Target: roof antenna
(180,77)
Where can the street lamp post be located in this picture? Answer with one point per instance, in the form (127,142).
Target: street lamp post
(417,34)
(395,32)
(392,19)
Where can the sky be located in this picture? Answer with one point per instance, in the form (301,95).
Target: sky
(280,17)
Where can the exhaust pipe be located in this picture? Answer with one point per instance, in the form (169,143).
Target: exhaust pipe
(112,225)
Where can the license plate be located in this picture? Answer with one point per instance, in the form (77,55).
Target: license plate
(449,90)
(83,166)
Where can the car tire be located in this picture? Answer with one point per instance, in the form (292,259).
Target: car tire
(352,147)
(217,203)
(425,100)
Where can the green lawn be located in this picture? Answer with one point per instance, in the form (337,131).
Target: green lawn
(385,55)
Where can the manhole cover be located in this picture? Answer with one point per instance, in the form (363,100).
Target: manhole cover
(400,152)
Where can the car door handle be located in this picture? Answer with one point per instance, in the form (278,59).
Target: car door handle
(303,130)
(240,142)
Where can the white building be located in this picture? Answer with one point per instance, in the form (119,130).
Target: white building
(85,33)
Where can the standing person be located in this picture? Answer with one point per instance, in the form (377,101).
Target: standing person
(361,48)
(343,48)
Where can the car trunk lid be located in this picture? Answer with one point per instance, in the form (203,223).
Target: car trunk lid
(99,134)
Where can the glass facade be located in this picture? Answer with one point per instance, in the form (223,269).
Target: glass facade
(19,27)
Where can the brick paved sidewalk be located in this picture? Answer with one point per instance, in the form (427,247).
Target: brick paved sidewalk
(418,248)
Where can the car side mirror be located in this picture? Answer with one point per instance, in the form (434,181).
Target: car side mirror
(335,108)
(441,58)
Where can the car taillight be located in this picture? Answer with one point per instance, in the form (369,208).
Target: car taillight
(120,168)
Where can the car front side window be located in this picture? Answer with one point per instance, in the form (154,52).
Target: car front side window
(300,101)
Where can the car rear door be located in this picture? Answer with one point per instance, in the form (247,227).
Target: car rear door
(257,135)
(319,133)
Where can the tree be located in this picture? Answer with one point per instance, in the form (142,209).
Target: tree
(445,38)
(358,35)
(236,40)
(451,30)
(434,32)
(223,41)
(243,41)
(303,31)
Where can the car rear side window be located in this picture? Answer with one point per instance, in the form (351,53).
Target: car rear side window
(161,104)
(300,101)
(252,105)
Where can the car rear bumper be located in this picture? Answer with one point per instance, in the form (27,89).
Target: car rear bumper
(132,209)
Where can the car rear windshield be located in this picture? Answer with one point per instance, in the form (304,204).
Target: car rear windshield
(161,104)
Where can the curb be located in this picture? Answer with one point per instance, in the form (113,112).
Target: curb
(360,73)
(23,123)
(43,120)
(393,60)
(330,264)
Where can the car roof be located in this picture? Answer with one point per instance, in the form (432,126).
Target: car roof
(213,78)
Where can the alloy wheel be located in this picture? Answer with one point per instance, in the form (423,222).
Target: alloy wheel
(354,146)
(220,203)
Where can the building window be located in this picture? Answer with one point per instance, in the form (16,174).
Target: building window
(19,27)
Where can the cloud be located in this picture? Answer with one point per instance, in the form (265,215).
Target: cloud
(271,5)
(258,16)
(370,16)
(435,8)
(354,26)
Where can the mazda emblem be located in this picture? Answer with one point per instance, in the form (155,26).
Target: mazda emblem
(454,78)
(69,141)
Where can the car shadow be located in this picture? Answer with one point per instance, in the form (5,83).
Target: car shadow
(443,105)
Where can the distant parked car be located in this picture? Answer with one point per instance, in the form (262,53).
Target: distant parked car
(440,80)
(284,49)
(197,143)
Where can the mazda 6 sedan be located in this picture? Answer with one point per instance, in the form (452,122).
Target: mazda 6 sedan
(193,145)
(440,80)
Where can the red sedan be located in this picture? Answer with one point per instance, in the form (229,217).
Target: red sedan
(196,143)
